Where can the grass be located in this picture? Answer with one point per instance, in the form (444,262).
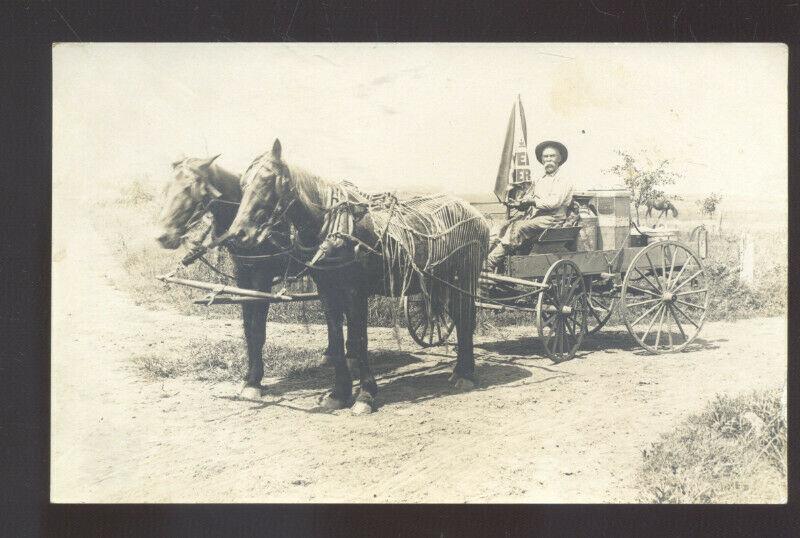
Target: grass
(734,451)
(125,219)
(215,360)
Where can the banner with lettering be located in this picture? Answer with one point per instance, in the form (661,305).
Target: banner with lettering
(514,174)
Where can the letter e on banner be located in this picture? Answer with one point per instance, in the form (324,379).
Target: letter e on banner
(522,174)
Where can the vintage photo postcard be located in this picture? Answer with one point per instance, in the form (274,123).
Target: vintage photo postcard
(419,273)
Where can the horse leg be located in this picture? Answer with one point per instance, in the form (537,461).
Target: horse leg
(462,310)
(357,349)
(254,317)
(343,385)
(330,351)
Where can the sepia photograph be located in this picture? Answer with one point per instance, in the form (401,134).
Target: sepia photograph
(419,273)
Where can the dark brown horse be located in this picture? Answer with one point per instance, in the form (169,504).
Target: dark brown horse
(660,204)
(199,186)
(275,191)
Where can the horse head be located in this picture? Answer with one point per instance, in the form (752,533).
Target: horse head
(186,196)
(267,195)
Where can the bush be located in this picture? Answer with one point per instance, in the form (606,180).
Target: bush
(135,194)
(732,452)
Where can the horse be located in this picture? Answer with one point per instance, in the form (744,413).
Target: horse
(274,191)
(200,186)
(660,204)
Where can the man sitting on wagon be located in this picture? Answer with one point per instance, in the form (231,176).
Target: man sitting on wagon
(544,204)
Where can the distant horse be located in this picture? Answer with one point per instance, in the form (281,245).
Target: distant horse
(660,204)
(275,191)
(200,186)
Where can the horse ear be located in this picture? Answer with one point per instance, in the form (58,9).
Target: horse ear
(180,158)
(207,162)
(276,149)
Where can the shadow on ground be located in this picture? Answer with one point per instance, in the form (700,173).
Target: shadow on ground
(401,377)
(605,341)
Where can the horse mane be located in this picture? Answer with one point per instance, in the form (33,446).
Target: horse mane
(313,191)
(226,182)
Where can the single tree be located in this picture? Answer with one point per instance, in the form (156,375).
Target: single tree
(643,177)
(709,204)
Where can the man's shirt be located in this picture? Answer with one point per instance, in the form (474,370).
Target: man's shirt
(551,195)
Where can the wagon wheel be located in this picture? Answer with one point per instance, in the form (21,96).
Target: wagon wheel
(601,307)
(425,331)
(562,310)
(670,286)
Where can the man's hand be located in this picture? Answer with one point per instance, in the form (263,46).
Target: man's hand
(544,221)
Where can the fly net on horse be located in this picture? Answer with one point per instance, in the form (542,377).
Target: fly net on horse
(437,239)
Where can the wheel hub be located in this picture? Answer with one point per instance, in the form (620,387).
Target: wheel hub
(668,297)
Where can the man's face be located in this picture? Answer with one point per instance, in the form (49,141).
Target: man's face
(551,159)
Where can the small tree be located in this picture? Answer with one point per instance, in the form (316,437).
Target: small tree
(708,205)
(643,178)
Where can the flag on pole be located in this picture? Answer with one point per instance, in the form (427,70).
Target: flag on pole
(514,174)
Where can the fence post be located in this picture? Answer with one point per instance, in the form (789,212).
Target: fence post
(746,259)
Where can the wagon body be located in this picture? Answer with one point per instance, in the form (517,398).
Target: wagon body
(655,288)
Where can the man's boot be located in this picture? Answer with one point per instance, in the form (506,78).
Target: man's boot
(495,256)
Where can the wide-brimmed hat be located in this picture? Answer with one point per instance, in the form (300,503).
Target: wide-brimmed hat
(562,149)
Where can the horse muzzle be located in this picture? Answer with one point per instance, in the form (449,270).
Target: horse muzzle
(169,240)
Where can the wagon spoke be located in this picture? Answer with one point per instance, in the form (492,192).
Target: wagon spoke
(645,291)
(693,291)
(690,304)
(557,336)
(678,323)
(669,329)
(696,326)
(683,268)
(644,276)
(647,312)
(682,284)
(655,273)
(646,301)
(572,290)
(650,325)
(672,267)
(550,320)
(570,328)
(660,325)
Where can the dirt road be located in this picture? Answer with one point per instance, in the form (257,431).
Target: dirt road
(534,431)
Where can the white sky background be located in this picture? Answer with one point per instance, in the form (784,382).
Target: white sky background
(419,115)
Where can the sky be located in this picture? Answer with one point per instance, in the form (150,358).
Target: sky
(423,116)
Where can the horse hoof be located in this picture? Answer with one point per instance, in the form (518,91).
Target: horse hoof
(250,393)
(361,408)
(453,378)
(464,384)
(329,402)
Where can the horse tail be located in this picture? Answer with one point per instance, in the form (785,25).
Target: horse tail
(674,210)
